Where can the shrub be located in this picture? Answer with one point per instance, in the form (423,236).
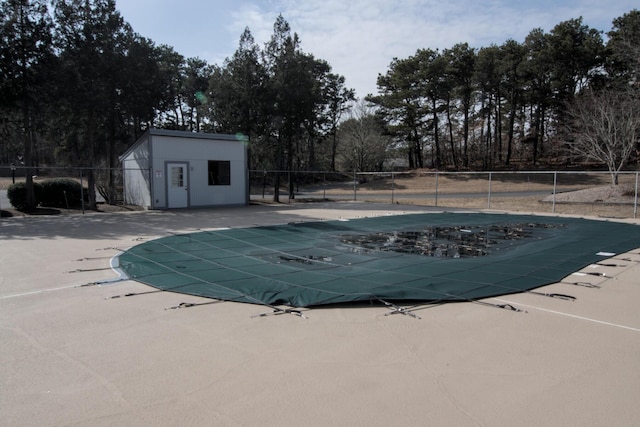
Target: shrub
(61,192)
(17,194)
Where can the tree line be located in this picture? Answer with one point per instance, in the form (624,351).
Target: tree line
(79,85)
(517,103)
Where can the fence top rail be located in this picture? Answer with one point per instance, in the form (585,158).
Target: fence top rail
(300,172)
(22,167)
(67,168)
(548,172)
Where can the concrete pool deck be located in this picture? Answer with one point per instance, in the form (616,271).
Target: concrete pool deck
(73,355)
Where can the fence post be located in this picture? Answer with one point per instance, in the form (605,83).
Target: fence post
(635,200)
(393,186)
(489,195)
(81,192)
(324,187)
(555,183)
(436,189)
(354,185)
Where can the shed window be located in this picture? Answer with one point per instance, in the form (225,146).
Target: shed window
(219,172)
(177,176)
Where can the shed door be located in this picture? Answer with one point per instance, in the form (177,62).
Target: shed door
(177,182)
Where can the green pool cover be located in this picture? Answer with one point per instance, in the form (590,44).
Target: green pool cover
(420,257)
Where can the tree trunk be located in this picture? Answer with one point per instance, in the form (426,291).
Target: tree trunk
(436,138)
(30,203)
(466,135)
(280,163)
(512,123)
(312,153)
(536,135)
(487,154)
(542,129)
(417,147)
(498,132)
(111,160)
(334,149)
(91,176)
(451,142)
(290,166)
(276,187)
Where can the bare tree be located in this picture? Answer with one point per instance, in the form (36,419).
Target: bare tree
(605,126)
(361,143)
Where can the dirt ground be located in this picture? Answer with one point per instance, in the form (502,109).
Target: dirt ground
(576,193)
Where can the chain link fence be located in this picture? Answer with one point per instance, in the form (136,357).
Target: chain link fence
(556,192)
(562,192)
(107,182)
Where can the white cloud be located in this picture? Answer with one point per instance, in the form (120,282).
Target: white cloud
(359,38)
(259,21)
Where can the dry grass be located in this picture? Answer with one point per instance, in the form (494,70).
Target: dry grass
(576,193)
(5,183)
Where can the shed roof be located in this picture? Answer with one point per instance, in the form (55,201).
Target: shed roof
(181,134)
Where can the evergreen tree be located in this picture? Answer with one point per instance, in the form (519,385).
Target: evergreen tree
(461,63)
(337,103)
(25,59)
(512,58)
(401,106)
(623,50)
(92,39)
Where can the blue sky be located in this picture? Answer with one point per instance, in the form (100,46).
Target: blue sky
(359,38)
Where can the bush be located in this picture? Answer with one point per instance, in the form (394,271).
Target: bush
(61,193)
(17,194)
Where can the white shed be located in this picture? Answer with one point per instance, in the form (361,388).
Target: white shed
(167,169)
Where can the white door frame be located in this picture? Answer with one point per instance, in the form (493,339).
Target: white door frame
(177,186)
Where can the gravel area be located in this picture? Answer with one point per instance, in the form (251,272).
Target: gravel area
(623,194)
